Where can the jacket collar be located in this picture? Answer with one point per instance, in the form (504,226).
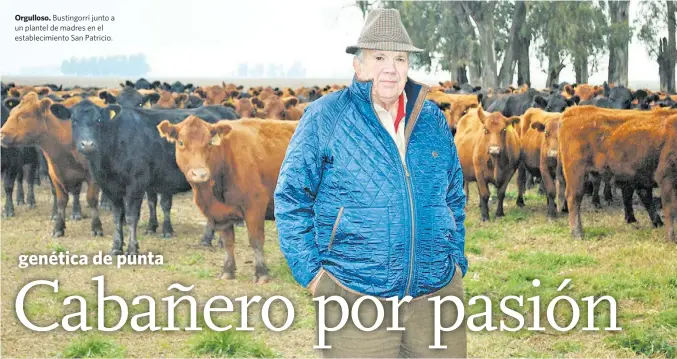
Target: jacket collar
(415,92)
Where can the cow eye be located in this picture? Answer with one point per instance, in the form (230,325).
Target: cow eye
(180,143)
(545,133)
(464,112)
(505,129)
(486,131)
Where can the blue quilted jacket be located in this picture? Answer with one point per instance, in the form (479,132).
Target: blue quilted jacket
(345,202)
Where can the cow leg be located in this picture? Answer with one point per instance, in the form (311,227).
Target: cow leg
(151,198)
(575,180)
(77,209)
(8,184)
(483,189)
(669,200)
(104,203)
(228,237)
(646,197)
(608,190)
(30,182)
(627,191)
(522,177)
(561,187)
(596,185)
(61,203)
(55,210)
(521,183)
(208,237)
(132,211)
(166,204)
(255,219)
(528,182)
(550,190)
(118,221)
(501,196)
(92,202)
(20,185)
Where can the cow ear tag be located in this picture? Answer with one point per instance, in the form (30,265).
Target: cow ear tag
(215,140)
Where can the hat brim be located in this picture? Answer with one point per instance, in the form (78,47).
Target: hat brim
(385,46)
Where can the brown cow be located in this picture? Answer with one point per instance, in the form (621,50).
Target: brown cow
(531,141)
(454,106)
(588,132)
(550,165)
(586,92)
(32,123)
(170,100)
(276,108)
(489,151)
(232,167)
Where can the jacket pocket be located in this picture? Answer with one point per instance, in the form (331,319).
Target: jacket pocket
(360,244)
(333,230)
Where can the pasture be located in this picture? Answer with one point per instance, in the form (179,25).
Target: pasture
(632,263)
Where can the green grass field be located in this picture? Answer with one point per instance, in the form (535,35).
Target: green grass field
(633,263)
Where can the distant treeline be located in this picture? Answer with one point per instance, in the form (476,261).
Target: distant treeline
(118,65)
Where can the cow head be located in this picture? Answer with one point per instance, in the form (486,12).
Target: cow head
(550,131)
(26,121)
(495,129)
(555,102)
(89,123)
(197,146)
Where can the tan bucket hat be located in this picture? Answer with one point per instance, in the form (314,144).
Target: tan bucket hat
(383,30)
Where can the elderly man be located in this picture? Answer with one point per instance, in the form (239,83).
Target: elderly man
(369,201)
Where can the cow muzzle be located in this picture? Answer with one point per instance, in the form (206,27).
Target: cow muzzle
(198,175)
(86,146)
(494,150)
(552,153)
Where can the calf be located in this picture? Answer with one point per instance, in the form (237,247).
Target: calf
(489,151)
(232,167)
(127,157)
(592,148)
(32,123)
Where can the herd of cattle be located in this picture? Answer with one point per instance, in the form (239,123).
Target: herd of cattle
(226,144)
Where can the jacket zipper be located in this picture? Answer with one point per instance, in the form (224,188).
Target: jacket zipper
(407,178)
(333,231)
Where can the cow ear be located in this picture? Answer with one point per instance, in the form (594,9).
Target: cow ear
(14,93)
(167,131)
(291,102)
(569,89)
(12,102)
(221,130)
(538,126)
(44,105)
(540,102)
(229,104)
(573,100)
(60,111)
(113,111)
(43,91)
(513,121)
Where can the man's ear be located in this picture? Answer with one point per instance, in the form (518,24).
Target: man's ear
(167,131)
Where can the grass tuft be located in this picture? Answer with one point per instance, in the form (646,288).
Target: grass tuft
(229,344)
(92,347)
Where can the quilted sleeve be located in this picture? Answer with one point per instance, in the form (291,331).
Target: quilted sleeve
(294,198)
(456,199)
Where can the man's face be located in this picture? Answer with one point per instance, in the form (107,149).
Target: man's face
(388,69)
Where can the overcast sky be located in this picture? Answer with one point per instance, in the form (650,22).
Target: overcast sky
(210,38)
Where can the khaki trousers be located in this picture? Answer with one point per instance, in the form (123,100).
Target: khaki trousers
(417,317)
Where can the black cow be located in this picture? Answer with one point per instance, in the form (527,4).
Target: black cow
(12,163)
(127,157)
(555,102)
(517,104)
(129,97)
(618,97)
